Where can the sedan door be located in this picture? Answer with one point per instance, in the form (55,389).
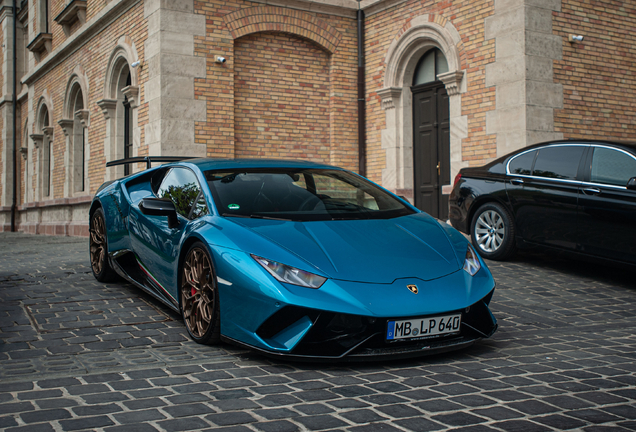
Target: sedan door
(607,209)
(544,199)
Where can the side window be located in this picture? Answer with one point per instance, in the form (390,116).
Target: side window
(561,162)
(182,187)
(522,164)
(612,167)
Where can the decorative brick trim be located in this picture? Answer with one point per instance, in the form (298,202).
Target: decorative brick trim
(57,229)
(275,19)
(60,202)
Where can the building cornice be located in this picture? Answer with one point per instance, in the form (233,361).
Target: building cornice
(82,36)
(371,7)
(345,8)
(5,11)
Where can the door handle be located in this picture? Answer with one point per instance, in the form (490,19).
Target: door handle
(591,191)
(437,168)
(517,181)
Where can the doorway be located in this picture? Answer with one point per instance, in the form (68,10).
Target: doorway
(431,135)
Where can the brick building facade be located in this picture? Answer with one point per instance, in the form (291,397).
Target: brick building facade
(99,80)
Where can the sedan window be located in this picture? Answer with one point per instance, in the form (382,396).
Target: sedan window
(560,162)
(182,187)
(612,167)
(522,164)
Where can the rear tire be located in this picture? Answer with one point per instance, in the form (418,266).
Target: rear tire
(492,232)
(98,247)
(200,296)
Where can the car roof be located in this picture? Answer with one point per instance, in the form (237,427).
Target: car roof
(205,164)
(619,144)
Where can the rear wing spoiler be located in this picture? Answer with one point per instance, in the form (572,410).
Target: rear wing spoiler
(148,160)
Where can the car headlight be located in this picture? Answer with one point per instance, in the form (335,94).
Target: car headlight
(290,275)
(471,263)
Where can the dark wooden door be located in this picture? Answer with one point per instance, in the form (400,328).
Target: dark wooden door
(431,148)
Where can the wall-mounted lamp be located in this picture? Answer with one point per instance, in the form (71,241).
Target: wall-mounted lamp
(219,59)
(575,38)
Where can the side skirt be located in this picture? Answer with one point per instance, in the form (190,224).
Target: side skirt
(125,264)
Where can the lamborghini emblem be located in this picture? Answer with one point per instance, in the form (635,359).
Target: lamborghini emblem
(412,288)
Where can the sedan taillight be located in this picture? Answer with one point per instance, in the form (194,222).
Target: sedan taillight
(458,177)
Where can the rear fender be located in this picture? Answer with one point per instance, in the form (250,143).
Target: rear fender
(116,209)
(481,193)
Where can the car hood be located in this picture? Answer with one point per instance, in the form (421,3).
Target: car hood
(372,251)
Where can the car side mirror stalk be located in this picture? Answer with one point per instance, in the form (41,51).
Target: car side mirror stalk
(631,183)
(160,207)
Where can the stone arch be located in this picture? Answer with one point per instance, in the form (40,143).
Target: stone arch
(120,105)
(76,84)
(43,112)
(419,35)
(123,55)
(416,37)
(74,123)
(274,19)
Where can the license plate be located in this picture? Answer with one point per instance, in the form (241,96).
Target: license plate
(423,327)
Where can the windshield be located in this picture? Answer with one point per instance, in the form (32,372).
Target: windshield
(300,195)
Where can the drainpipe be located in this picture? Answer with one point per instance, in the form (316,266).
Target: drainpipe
(15,117)
(362,144)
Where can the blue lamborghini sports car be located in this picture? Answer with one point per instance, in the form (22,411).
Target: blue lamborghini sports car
(291,258)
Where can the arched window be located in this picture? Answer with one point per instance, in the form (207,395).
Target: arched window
(47,154)
(431,64)
(79,142)
(120,108)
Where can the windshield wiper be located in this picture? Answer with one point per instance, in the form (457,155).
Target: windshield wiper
(347,206)
(254,217)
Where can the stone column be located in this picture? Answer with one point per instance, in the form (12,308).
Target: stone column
(526,94)
(455,84)
(108,107)
(67,129)
(6,108)
(172,68)
(393,176)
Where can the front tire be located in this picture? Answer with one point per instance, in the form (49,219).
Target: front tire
(98,247)
(492,232)
(200,296)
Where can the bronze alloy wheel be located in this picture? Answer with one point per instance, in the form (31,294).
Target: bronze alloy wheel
(199,296)
(98,243)
(98,247)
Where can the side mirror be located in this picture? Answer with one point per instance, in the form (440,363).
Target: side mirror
(160,207)
(631,183)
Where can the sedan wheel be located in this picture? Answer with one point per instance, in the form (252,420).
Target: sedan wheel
(492,232)
(199,296)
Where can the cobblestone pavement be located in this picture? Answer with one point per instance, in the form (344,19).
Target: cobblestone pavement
(79,355)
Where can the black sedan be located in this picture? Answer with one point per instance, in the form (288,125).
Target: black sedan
(571,195)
